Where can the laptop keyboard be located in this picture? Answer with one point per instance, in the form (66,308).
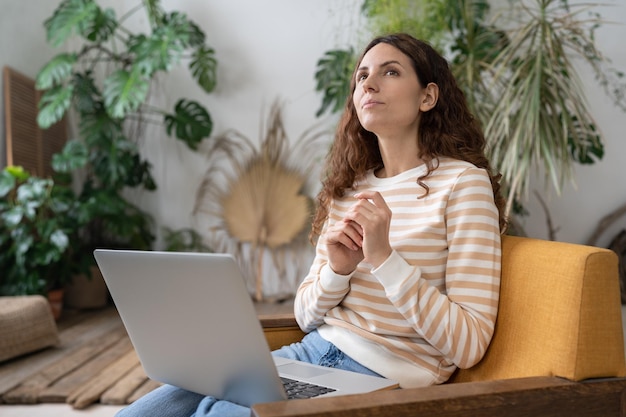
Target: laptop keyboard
(298,389)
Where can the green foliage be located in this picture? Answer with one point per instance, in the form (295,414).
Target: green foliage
(37,221)
(131,61)
(423,19)
(124,92)
(107,80)
(190,122)
(333,79)
(541,115)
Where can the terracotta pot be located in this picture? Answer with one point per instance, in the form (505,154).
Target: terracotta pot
(84,292)
(55,299)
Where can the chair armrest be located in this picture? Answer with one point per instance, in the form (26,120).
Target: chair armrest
(280,329)
(536,396)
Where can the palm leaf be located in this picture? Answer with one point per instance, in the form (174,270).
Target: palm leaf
(56,71)
(542,117)
(203,67)
(191,123)
(264,205)
(53,105)
(124,92)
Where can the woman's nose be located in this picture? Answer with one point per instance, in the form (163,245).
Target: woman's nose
(370,84)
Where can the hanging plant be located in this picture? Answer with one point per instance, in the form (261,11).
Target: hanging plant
(254,200)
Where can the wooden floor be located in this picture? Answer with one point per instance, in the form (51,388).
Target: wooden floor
(94,363)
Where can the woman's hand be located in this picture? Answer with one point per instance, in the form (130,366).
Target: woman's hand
(343,241)
(362,234)
(373,217)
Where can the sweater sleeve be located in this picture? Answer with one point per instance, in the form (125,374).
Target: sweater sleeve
(321,290)
(459,322)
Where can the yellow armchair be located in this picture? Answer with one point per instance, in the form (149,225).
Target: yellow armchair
(559,323)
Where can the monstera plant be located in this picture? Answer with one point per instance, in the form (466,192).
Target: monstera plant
(106,82)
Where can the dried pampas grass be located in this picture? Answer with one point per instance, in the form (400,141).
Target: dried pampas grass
(255,200)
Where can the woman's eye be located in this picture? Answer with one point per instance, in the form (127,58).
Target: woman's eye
(361,77)
(391,72)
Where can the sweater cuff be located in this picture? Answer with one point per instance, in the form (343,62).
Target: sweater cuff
(393,272)
(333,282)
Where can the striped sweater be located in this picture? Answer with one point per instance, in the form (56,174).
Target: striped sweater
(431,306)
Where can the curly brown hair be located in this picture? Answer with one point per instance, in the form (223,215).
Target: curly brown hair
(447,130)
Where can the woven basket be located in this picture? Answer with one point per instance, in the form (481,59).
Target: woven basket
(26,325)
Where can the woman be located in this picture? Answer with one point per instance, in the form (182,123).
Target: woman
(405,281)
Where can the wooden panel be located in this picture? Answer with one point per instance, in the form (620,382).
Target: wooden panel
(23,140)
(52,141)
(26,144)
(536,396)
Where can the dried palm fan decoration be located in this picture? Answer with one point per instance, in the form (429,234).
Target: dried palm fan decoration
(254,201)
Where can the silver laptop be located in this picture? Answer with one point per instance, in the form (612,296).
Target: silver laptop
(192,323)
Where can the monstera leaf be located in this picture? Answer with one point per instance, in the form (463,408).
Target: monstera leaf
(333,79)
(192,123)
(87,98)
(71,16)
(53,105)
(100,27)
(56,71)
(203,67)
(74,155)
(124,92)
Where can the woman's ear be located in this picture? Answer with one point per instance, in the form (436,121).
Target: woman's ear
(431,95)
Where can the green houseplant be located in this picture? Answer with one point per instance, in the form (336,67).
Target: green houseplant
(106,82)
(37,222)
(517,72)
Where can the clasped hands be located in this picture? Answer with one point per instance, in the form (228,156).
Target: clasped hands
(363,234)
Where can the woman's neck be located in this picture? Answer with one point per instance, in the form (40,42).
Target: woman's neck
(398,155)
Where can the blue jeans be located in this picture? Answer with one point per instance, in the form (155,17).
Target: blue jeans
(170,401)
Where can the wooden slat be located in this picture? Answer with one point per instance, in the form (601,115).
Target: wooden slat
(60,390)
(28,391)
(22,133)
(82,331)
(536,396)
(90,392)
(145,388)
(122,390)
(55,374)
(26,144)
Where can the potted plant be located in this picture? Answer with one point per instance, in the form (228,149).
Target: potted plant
(106,81)
(37,222)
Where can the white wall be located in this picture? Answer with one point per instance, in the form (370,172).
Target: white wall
(22,43)
(268,49)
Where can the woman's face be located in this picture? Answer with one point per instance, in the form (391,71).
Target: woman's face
(388,94)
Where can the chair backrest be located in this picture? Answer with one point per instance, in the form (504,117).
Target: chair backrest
(559,314)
